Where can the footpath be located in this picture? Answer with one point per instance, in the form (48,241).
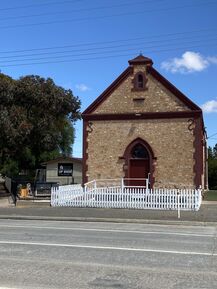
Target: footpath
(36,210)
(207,215)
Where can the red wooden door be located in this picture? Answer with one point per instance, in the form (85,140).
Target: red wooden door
(139,169)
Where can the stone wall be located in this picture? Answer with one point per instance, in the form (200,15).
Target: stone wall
(170,140)
(156,98)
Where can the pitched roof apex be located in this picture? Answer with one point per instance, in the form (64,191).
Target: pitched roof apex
(140,59)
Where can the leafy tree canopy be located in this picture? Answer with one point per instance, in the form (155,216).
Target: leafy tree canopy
(212,167)
(36,121)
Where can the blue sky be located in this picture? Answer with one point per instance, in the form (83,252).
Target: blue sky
(84,45)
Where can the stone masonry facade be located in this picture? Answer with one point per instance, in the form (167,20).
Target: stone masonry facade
(171,139)
(157,98)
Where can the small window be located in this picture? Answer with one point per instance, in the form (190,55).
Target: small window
(139,152)
(140,81)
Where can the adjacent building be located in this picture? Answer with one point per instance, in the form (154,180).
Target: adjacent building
(63,170)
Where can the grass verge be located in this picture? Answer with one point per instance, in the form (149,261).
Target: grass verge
(210,195)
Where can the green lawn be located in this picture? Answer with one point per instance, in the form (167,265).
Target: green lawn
(210,195)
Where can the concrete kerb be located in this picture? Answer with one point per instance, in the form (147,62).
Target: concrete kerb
(209,203)
(109,220)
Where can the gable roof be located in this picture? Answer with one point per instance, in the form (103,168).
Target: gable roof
(183,98)
(141,60)
(109,90)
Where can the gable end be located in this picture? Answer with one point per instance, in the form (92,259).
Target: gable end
(183,98)
(141,60)
(109,90)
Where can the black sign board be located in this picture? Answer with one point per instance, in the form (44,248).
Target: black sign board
(65,169)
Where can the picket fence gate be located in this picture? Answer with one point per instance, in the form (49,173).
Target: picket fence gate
(121,196)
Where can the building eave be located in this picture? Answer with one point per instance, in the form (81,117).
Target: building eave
(146,115)
(62,159)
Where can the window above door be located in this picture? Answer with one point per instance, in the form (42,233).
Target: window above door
(139,152)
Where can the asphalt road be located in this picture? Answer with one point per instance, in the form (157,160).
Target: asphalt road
(43,254)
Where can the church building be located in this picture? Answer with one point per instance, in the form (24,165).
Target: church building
(142,127)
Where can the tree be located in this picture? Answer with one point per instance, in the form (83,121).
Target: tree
(215,152)
(212,167)
(36,121)
(210,152)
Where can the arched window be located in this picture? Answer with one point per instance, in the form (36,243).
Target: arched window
(140,81)
(139,152)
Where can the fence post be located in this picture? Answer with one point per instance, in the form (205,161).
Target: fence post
(84,199)
(94,186)
(146,185)
(178,204)
(197,199)
(148,181)
(122,185)
(53,196)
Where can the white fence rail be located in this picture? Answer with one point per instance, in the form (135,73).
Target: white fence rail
(126,197)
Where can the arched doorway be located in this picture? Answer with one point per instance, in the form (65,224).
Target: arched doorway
(139,167)
(138,163)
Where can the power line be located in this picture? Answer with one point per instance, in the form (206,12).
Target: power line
(95,58)
(79,10)
(102,17)
(93,53)
(39,5)
(212,135)
(116,41)
(107,47)
(64,61)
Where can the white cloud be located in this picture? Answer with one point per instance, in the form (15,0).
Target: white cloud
(212,59)
(189,62)
(209,106)
(82,87)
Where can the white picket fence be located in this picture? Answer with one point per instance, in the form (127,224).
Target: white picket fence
(126,197)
